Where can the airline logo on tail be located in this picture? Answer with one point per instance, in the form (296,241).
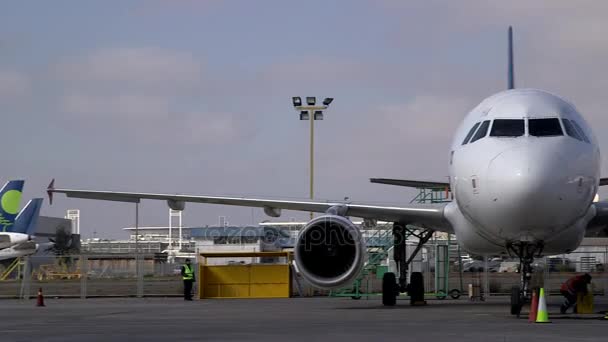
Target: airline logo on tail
(26,221)
(10,197)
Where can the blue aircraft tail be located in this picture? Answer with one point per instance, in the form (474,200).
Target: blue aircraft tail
(10,198)
(27,219)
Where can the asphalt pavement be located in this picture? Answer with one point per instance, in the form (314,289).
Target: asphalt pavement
(296,319)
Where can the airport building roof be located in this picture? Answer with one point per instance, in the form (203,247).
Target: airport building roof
(229,231)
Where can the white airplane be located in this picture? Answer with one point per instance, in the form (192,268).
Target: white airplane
(18,241)
(524,169)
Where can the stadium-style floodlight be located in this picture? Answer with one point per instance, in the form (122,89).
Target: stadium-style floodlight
(311,112)
(297,101)
(327,101)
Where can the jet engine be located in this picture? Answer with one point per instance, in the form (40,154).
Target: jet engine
(10,239)
(330,251)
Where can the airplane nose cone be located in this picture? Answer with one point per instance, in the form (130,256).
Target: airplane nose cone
(527,191)
(522,172)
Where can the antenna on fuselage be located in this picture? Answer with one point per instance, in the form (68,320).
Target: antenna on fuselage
(511,71)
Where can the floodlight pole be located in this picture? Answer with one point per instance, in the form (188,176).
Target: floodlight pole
(138,272)
(311,109)
(137,232)
(312,156)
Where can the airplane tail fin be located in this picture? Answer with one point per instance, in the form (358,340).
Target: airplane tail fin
(511,71)
(10,197)
(27,219)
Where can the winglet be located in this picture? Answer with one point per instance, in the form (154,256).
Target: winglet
(49,190)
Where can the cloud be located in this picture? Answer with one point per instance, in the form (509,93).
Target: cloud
(425,116)
(116,106)
(161,7)
(13,86)
(214,128)
(142,69)
(152,119)
(391,138)
(317,69)
(149,92)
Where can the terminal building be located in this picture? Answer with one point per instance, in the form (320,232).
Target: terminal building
(267,236)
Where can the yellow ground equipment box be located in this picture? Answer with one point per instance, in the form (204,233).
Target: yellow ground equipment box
(584,303)
(255,280)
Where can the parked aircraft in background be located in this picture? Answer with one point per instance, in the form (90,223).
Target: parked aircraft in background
(24,227)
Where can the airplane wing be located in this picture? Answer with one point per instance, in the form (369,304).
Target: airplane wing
(28,245)
(413,183)
(418,184)
(423,215)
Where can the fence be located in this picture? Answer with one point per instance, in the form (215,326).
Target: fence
(91,276)
(107,275)
(498,277)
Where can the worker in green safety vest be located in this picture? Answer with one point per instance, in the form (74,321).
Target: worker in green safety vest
(188,277)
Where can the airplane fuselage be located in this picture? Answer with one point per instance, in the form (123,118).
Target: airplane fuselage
(524,167)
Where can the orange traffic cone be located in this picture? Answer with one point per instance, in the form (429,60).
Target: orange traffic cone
(40,301)
(533,307)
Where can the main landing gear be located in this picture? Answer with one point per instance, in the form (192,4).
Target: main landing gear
(391,286)
(520,295)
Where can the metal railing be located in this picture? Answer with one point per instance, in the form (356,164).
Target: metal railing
(105,275)
(92,276)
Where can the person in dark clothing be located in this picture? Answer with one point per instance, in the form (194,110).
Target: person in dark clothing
(571,288)
(188,277)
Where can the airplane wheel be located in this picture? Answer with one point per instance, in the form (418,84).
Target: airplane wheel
(516,301)
(389,289)
(416,288)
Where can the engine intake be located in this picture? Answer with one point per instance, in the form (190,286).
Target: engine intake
(330,251)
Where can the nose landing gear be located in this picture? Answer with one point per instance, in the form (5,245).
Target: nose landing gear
(526,252)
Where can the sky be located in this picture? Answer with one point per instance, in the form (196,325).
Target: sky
(194,97)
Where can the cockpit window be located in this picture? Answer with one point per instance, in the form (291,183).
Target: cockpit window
(571,130)
(466,140)
(580,131)
(507,128)
(482,131)
(544,127)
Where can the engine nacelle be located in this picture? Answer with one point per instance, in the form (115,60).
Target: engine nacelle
(176,205)
(10,239)
(330,251)
(272,212)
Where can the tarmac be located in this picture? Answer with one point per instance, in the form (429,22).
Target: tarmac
(295,319)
